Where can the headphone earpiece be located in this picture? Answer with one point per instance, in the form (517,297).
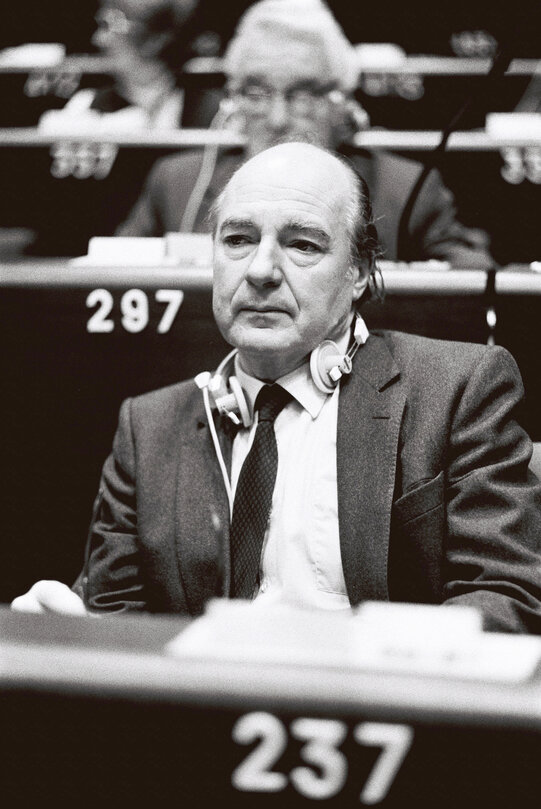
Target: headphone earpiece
(228,106)
(327,366)
(360,331)
(358,115)
(229,115)
(353,113)
(234,402)
(229,399)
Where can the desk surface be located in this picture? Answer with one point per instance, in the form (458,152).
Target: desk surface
(422,65)
(126,654)
(411,140)
(96,714)
(399,278)
(419,65)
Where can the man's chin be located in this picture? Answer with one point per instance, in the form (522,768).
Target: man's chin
(263,338)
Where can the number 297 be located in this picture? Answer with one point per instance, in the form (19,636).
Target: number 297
(134,310)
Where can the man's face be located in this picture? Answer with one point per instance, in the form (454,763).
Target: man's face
(283,95)
(282,275)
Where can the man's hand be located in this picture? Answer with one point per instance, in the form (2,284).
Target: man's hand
(50,596)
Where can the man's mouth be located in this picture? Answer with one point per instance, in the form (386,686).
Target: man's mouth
(261,309)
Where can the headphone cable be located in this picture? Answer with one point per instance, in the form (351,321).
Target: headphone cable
(206,172)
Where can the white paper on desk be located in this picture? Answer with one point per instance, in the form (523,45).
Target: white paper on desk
(120,251)
(439,641)
(431,265)
(491,657)
(247,631)
(193,249)
(379,56)
(36,54)
(513,124)
(407,639)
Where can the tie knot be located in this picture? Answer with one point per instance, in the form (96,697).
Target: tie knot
(270,401)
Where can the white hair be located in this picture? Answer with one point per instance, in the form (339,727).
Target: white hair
(298,21)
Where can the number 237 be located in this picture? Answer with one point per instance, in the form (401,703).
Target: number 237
(322,739)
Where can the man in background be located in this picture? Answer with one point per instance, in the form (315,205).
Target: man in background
(291,75)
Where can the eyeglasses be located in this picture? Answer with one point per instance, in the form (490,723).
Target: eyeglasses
(114,24)
(113,21)
(300,101)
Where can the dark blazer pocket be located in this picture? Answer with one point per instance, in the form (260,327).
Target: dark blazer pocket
(419,500)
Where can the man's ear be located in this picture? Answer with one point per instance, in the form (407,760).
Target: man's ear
(360,281)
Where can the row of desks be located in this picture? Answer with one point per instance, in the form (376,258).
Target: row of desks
(422,65)
(419,140)
(422,278)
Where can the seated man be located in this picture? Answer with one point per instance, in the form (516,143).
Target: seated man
(146,44)
(291,74)
(393,463)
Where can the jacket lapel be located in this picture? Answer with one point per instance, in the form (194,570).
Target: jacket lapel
(370,412)
(202,512)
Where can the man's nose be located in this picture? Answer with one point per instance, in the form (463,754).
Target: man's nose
(265,268)
(278,113)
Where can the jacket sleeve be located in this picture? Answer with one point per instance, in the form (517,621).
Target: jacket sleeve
(438,234)
(493,553)
(112,578)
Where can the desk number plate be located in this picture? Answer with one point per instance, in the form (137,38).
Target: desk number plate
(325,769)
(134,310)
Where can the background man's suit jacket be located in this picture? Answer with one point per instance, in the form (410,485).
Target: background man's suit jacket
(434,230)
(436,503)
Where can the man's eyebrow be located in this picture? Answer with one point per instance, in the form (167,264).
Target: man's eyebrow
(237,223)
(254,78)
(302,84)
(309,231)
(313,84)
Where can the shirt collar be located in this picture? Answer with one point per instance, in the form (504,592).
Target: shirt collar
(297,382)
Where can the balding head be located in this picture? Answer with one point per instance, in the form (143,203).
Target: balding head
(284,276)
(345,191)
(297,166)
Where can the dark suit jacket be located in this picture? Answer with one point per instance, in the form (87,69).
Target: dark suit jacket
(433,229)
(436,503)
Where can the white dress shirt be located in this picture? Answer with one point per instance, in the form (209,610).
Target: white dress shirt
(301,562)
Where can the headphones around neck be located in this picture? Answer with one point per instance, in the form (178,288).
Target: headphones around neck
(327,366)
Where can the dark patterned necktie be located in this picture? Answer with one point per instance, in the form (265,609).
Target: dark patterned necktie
(253,496)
